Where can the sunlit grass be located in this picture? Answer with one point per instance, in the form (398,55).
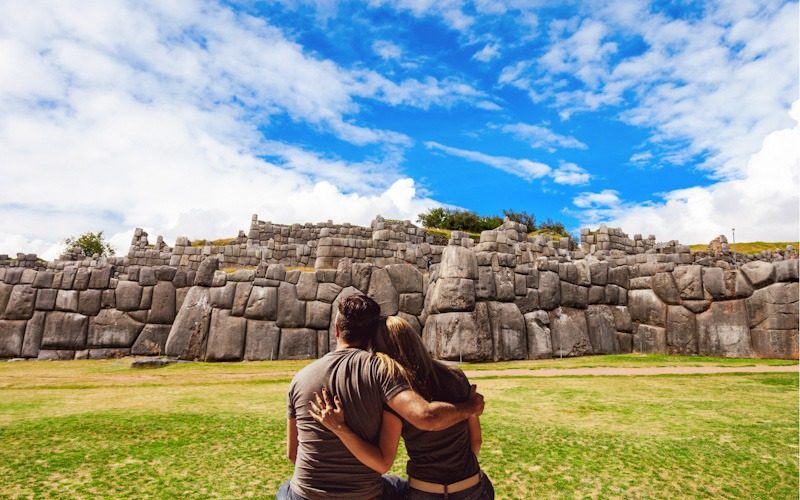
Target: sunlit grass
(99,428)
(751,248)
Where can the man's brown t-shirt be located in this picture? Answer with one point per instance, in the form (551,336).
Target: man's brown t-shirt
(324,467)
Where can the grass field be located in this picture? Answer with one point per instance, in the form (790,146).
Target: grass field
(751,247)
(101,429)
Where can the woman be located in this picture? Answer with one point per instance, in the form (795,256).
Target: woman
(441,464)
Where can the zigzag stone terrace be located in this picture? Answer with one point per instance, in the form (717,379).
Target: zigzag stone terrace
(508,296)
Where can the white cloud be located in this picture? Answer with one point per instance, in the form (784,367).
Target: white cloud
(487,53)
(542,137)
(450,11)
(763,204)
(570,174)
(525,169)
(120,115)
(387,50)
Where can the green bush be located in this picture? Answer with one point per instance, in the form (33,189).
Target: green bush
(465,220)
(89,244)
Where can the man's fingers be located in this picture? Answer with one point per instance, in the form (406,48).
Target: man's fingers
(337,405)
(326,397)
(319,400)
(313,406)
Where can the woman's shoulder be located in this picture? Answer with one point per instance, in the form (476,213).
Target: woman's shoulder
(454,380)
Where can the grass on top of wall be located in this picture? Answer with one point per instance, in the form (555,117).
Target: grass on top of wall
(197,430)
(751,248)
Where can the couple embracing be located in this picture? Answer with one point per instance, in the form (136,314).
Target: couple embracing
(348,410)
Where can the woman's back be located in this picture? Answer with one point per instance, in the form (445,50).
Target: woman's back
(442,456)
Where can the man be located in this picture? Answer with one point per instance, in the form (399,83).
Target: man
(324,468)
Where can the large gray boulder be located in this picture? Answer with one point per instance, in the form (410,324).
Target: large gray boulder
(549,290)
(508,331)
(619,276)
(599,273)
(298,343)
(622,319)
(67,300)
(34,330)
(645,307)
(759,273)
(602,330)
(20,302)
(681,331)
(723,330)
(66,331)
(163,306)
(189,333)
(456,335)
(12,334)
(774,307)
(318,315)
(291,310)
(151,341)
(689,280)
(458,262)
(128,295)
(664,286)
(504,284)
(570,332)
(89,302)
(46,299)
(714,282)
(262,340)
(225,337)
(222,296)
(650,339)
(574,295)
(205,272)
(362,273)
(485,288)
(453,294)
(262,303)
(786,270)
(327,292)
(537,329)
(382,291)
(113,328)
(241,297)
(405,278)
(307,286)
(411,303)
(775,343)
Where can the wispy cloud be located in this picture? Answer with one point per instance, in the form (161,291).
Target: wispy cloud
(541,137)
(525,169)
(487,53)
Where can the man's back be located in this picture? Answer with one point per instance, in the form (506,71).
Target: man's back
(324,468)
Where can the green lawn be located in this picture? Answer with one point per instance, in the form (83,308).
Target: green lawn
(100,429)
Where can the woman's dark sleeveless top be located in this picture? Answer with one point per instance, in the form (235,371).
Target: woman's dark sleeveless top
(445,456)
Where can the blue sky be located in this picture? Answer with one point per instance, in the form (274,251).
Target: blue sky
(672,118)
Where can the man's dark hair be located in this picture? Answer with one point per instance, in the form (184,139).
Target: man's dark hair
(358,320)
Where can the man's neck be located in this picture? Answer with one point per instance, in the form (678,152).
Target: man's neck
(341,344)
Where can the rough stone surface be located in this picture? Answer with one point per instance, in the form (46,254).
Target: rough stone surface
(574,295)
(549,290)
(774,307)
(318,315)
(241,298)
(67,300)
(569,332)
(63,330)
(262,340)
(664,286)
(34,330)
(714,282)
(411,303)
(485,288)
(650,339)
(327,292)
(453,294)
(20,302)
(645,307)
(46,299)
(689,280)
(602,329)
(56,355)
(537,328)
(723,330)
(382,292)
(262,303)
(151,341)
(12,333)
(458,262)
(307,286)
(298,343)
(189,333)
(43,279)
(291,311)
(128,295)
(504,284)
(361,276)
(786,270)
(508,331)
(681,331)
(622,319)
(759,273)
(405,278)
(775,343)
(113,328)
(225,337)
(89,302)
(456,335)
(163,307)
(529,302)
(205,273)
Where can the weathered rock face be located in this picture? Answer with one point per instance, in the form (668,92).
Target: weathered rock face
(508,331)
(12,334)
(456,335)
(453,294)
(382,291)
(263,338)
(189,333)
(681,331)
(723,330)
(298,343)
(773,314)
(537,327)
(152,341)
(570,332)
(650,340)
(645,307)
(113,328)
(602,330)
(66,331)
(458,262)
(225,337)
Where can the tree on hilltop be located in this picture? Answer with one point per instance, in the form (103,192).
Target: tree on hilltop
(89,244)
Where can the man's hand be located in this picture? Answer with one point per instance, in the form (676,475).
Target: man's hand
(328,413)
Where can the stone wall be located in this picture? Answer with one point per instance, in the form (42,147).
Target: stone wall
(507,296)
